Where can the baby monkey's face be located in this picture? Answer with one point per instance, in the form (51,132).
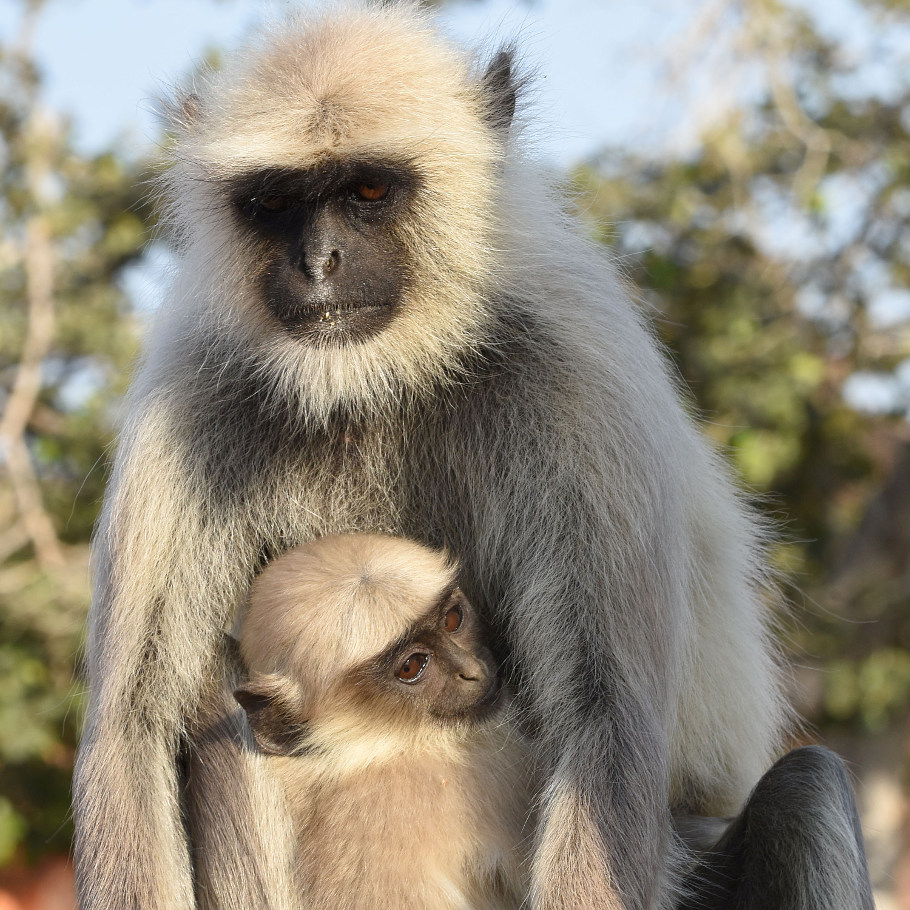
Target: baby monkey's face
(441,667)
(438,673)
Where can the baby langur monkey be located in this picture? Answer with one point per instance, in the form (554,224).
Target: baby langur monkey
(372,689)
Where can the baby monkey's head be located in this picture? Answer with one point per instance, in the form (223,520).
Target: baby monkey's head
(358,639)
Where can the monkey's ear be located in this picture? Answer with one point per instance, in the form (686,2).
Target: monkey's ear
(181,111)
(277,727)
(499,90)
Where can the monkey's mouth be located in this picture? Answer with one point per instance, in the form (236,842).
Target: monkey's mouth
(323,316)
(339,325)
(490,701)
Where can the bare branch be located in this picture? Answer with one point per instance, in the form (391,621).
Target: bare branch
(39,272)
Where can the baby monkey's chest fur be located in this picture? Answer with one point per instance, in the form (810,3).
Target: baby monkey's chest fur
(458,839)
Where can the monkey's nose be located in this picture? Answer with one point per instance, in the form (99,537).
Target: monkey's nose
(330,263)
(470,669)
(319,264)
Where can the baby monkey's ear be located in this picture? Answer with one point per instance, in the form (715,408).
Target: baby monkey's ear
(271,709)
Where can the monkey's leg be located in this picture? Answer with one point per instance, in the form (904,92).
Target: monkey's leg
(796,845)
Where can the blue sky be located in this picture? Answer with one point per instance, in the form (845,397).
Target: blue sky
(621,72)
(606,70)
(104,61)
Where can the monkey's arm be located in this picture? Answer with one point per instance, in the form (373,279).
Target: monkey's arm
(168,576)
(588,603)
(605,836)
(618,568)
(604,839)
(130,846)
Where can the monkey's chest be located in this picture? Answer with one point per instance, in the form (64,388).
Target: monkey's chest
(355,479)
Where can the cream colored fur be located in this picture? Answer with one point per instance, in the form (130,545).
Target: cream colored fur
(387,816)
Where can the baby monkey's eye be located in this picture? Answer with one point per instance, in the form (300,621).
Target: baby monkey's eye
(412,669)
(453,619)
(371,192)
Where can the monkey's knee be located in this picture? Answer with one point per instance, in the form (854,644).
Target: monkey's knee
(797,844)
(808,785)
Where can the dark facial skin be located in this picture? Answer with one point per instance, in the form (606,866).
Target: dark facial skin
(442,667)
(332,265)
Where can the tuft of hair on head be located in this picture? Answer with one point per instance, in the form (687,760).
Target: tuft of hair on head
(180,110)
(500,86)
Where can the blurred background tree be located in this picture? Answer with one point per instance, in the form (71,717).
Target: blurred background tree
(69,223)
(774,257)
(776,260)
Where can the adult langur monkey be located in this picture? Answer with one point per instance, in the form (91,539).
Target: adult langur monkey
(384,320)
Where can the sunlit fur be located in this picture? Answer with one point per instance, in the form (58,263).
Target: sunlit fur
(517,410)
(391,810)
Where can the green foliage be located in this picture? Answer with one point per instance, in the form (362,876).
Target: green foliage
(874,689)
(81,220)
(12,828)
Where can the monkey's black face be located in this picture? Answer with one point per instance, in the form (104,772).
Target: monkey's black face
(333,268)
(442,668)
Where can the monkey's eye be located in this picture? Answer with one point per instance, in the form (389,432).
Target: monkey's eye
(371,192)
(273,204)
(413,668)
(453,619)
